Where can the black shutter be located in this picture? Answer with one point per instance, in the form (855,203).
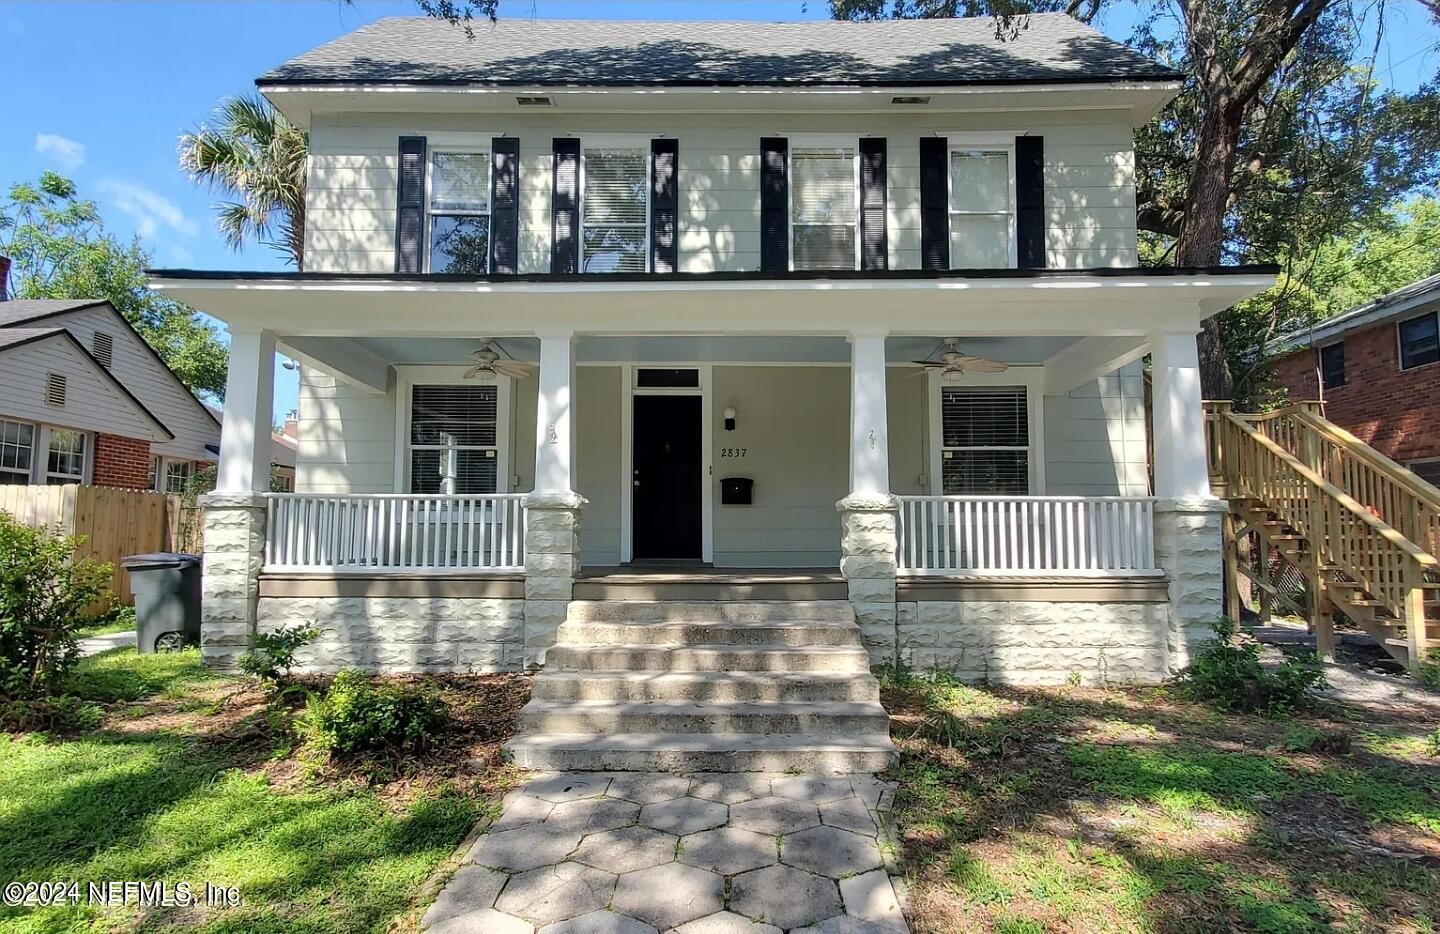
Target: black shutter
(664,205)
(774,204)
(410,205)
(934,203)
(504,204)
(874,247)
(1030,201)
(565,207)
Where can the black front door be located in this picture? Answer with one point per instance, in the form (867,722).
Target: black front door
(667,478)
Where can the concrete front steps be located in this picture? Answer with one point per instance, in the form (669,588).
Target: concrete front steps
(768,686)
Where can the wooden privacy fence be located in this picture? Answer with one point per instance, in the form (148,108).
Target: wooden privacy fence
(115,523)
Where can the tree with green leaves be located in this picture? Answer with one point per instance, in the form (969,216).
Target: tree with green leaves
(59,249)
(251,152)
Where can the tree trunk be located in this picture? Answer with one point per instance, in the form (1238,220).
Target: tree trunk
(1203,233)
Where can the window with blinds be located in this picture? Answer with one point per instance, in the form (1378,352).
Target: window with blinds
(615,210)
(822,207)
(981,217)
(985,448)
(459,204)
(454,443)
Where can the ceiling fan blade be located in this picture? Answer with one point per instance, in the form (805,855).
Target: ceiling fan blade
(512,371)
(927,362)
(982,365)
(474,371)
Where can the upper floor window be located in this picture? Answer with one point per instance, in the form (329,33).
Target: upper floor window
(823,214)
(459,209)
(66,463)
(982,215)
(17,452)
(615,209)
(1419,341)
(454,438)
(1332,365)
(985,443)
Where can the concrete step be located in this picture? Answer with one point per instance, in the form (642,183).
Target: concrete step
(700,611)
(703,752)
(704,687)
(674,657)
(747,632)
(682,716)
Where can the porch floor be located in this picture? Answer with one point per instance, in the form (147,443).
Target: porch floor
(702,582)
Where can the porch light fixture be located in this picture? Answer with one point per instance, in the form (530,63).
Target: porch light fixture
(729,419)
(910,99)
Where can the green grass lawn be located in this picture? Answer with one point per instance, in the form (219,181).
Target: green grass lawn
(121,619)
(185,783)
(1075,809)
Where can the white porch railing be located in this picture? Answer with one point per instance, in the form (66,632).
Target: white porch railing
(395,532)
(1027,536)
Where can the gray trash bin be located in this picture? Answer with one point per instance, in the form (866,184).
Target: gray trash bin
(167,600)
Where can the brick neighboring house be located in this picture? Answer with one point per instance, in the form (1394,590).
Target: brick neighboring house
(1377,368)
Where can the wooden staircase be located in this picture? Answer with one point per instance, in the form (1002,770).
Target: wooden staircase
(1349,528)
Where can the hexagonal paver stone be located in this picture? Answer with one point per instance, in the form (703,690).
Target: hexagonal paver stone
(725,922)
(816,789)
(600,922)
(871,896)
(728,850)
(870,789)
(484,921)
(847,924)
(669,895)
(774,815)
(521,809)
(523,848)
(470,889)
(554,893)
(684,815)
(730,788)
(830,851)
(627,849)
(784,896)
(593,815)
(648,787)
(848,814)
(567,786)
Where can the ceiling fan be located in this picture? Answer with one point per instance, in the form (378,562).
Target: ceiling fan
(488,363)
(957,364)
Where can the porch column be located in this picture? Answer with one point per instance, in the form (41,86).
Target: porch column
(234,515)
(552,510)
(1188,517)
(869,515)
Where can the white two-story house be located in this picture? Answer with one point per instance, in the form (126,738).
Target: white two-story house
(599,315)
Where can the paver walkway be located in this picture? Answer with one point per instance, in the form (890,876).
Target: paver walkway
(712,853)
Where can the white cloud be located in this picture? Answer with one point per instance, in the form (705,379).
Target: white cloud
(178,254)
(149,210)
(67,153)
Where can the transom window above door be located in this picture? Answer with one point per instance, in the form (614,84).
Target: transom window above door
(823,185)
(982,215)
(454,439)
(615,209)
(459,206)
(985,444)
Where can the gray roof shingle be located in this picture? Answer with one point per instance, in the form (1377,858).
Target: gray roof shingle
(539,52)
(20,310)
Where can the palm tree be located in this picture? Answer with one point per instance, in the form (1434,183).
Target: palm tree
(255,154)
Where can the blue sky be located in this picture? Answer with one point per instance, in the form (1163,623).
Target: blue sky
(101,91)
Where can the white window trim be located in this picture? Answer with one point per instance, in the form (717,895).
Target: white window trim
(42,462)
(35,431)
(990,142)
(408,377)
(164,476)
(1400,343)
(819,141)
(1032,378)
(616,141)
(445,143)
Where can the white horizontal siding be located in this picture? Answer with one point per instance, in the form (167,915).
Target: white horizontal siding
(346,437)
(92,403)
(1095,438)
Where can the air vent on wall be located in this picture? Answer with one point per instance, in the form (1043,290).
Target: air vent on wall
(533,100)
(54,389)
(910,99)
(103,347)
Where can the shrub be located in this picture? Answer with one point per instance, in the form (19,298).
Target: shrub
(64,713)
(44,590)
(1228,675)
(273,653)
(360,713)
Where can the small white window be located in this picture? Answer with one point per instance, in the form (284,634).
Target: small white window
(17,452)
(54,389)
(155,474)
(102,346)
(982,217)
(459,203)
(985,448)
(615,210)
(454,439)
(822,208)
(66,463)
(178,475)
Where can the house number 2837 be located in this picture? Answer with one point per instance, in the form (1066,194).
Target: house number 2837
(733,452)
